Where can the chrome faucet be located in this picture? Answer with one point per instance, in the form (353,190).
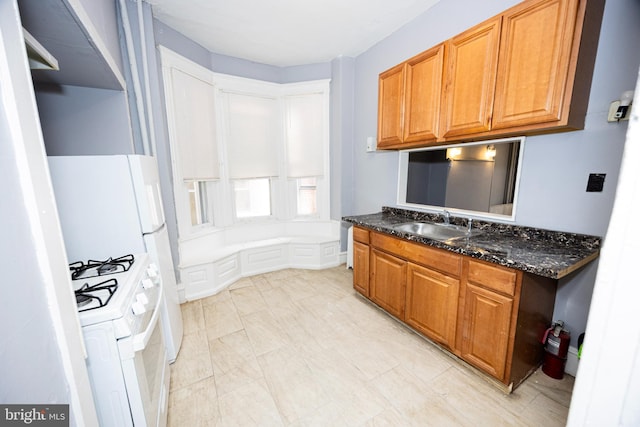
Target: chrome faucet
(447,216)
(469,225)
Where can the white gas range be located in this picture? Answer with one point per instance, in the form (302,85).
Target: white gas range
(119,303)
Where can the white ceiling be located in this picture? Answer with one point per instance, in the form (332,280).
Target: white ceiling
(287,32)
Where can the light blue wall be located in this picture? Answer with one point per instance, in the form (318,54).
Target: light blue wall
(78,120)
(170,38)
(243,68)
(81,121)
(555,167)
(103,16)
(342,99)
(301,73)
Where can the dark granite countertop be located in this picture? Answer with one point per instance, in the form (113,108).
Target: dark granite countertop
(546,253)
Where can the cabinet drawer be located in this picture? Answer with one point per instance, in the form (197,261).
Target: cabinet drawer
(438,259)
(500,279)
(361,235)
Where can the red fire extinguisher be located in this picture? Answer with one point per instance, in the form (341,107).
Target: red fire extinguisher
(556,347)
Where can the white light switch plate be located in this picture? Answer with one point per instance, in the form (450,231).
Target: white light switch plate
(371,144)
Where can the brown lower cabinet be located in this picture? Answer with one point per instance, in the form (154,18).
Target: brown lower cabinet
(490,316)
(485,329)
(361,268)
(387,281)
(432,302)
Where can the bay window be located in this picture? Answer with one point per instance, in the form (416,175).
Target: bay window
(245,150)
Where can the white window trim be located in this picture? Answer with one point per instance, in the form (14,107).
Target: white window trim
(169,61)
(283,189)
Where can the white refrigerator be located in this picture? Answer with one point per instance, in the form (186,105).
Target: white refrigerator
(110,206)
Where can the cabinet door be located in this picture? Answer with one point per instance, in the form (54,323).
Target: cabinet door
(472,59)
(422,95)
(387,282)
(485,329)
(533,66)
(391,106)
(432,303)
(361,268)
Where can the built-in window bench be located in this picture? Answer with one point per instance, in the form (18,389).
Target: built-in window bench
(211,262)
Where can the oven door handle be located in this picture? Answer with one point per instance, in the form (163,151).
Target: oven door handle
(139,341)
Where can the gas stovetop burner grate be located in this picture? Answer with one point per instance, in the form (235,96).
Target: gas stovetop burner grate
(82,300)
(87,294)
(92,268)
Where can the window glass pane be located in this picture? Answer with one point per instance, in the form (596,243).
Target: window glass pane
(307,196)
(198,202)
(252,197)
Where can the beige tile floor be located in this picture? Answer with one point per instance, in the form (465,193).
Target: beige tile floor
(300,348)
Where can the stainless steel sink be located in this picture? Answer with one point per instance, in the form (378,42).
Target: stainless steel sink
(436,231)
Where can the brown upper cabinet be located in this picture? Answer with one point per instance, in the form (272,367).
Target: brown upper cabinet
(525,71)
(391,106)
(409,99)
(472,60)
(422,95)
(535,69)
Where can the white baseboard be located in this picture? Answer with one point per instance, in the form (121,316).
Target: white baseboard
(181,297)
(571,367)
(342,257)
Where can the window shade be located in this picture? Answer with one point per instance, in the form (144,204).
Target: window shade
(194,119)
(253,124)
(305,135)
